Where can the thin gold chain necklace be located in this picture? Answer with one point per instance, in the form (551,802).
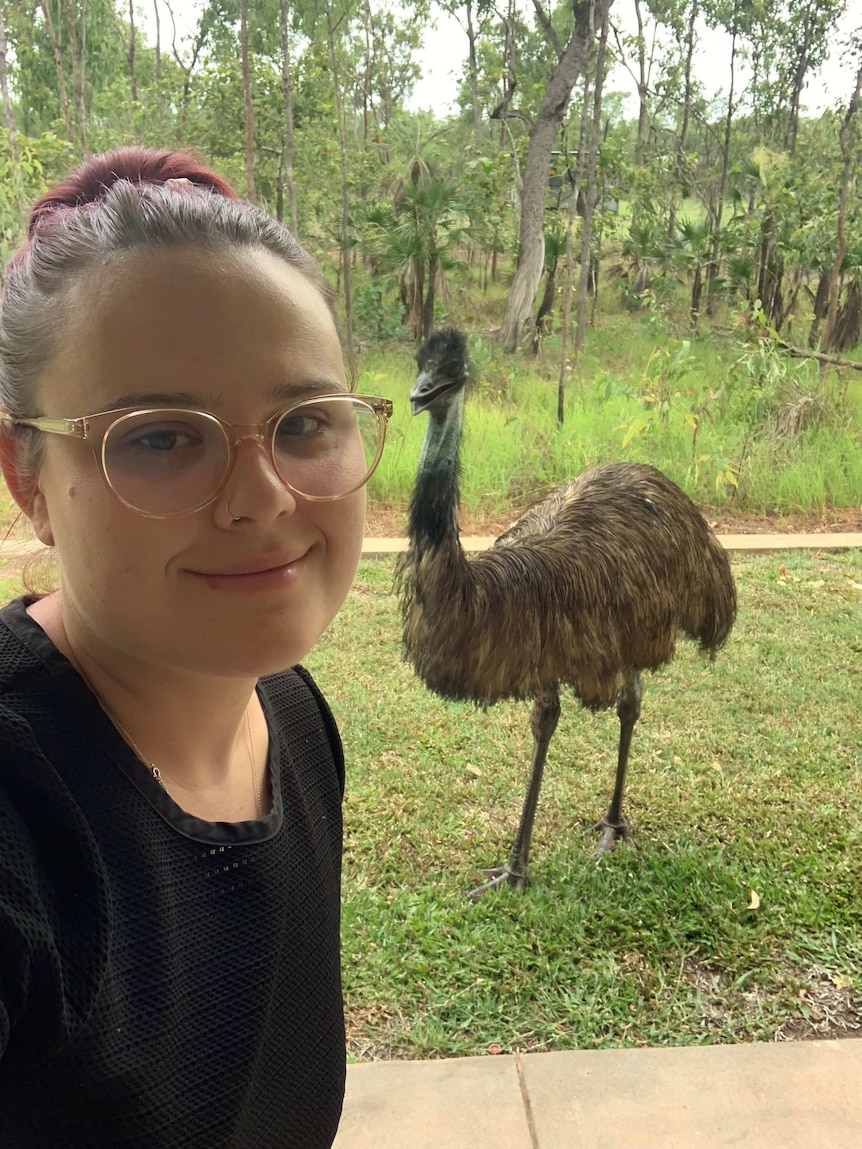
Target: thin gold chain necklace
(256,790)
(157,774)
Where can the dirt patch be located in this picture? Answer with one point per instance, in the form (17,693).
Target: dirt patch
(828,1008)
(391,522)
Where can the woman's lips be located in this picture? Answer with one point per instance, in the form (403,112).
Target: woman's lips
(248,576)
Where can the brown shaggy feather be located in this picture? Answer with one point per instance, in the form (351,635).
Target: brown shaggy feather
(590,583)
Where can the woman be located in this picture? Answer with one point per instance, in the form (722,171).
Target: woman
(175,421)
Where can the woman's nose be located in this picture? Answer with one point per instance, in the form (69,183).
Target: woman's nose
(254,489)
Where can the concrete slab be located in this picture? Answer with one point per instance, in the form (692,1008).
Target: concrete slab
(745,544)
(788,1095)
(382,548)
(462,1103)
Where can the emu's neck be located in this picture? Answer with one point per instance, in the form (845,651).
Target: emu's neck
(433,520)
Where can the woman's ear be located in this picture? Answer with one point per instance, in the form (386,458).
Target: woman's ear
(23,484)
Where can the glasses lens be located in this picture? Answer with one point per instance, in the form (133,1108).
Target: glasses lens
(165,462)
(328,447)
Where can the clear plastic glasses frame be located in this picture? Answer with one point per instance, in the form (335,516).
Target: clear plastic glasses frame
(310,443)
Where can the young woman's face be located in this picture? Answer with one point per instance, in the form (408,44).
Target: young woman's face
(238,334)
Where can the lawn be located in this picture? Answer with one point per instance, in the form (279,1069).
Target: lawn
(738,917)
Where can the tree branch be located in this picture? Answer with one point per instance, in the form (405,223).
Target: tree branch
(548,28)
(820,356)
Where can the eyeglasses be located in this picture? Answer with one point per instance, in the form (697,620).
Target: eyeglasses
(163,462)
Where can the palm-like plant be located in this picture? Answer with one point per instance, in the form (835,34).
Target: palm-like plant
(691,252)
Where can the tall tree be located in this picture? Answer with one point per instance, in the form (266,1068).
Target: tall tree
(847,137)
(518,328)
(76,19)
(8,110)
(133,79)
(62,90)
(590,188)
(287,96)
(344,244)
(248,105)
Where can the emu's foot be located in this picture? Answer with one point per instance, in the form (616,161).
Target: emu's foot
(496,877)
(611,833)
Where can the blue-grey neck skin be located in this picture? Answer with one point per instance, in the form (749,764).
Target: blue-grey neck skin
(434,505)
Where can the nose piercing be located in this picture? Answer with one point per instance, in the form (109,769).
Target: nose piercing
(233,518)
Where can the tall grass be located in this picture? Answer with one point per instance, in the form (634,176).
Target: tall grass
(695,408)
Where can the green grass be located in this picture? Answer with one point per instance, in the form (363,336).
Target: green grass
(632,396)
(745,776)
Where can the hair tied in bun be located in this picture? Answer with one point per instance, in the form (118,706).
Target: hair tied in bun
(181,184)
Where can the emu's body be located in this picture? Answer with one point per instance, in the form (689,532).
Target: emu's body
(586,590)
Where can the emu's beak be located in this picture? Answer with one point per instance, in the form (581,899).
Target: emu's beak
(427,390)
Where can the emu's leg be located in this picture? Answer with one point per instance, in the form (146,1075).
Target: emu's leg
(543,722)
(613,826)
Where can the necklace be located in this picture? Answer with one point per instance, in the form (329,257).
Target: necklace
(157,774)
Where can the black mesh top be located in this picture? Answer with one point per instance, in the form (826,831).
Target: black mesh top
(165,982)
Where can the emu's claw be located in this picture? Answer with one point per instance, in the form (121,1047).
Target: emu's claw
(611,834)
(496,877)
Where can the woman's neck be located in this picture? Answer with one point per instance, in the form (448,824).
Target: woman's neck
(205,735)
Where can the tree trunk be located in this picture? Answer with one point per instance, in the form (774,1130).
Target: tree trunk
(246,94)
(9,111)
(430,297)
(62,90)
(473,74)
(820,307)
(158,41)
(643,88)
(713,265)
(517,328)
(133,81)
(345,187)
(846,139)
(590,197)
(686,115)
(566,326)
(75,51)
(366,80)
(287,91)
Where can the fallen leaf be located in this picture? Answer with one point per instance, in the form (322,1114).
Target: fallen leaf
(474,770)
(716,766)
(782,570)
(753,901)
(856,585)
(816,582)
(677,761)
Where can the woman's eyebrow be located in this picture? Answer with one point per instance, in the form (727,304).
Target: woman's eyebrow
(165,399)
(290,391)
(281,392)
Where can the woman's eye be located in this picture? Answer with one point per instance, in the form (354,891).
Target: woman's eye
(300,425)
(159,440)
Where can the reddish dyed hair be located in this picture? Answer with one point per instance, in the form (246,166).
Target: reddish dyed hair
(96,176)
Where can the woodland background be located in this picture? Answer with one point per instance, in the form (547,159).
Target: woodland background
(545,206)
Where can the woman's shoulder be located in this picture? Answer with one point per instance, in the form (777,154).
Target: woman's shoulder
(298,711)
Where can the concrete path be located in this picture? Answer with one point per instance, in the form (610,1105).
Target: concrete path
(748,544)
(380,548)
(786,1095)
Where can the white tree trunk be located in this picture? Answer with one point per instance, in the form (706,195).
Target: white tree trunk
(518,325)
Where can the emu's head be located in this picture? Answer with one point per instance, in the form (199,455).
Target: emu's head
(443,372)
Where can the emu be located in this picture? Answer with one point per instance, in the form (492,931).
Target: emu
(586,590)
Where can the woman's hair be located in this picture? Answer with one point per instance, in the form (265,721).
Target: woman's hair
(127,198)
